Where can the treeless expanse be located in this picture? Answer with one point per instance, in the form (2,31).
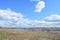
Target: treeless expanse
(57,29)
(12,34)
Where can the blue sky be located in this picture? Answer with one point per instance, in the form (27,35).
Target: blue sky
(33,10)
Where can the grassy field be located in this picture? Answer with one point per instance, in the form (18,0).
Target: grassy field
(11,34)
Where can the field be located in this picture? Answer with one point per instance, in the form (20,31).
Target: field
(12,34)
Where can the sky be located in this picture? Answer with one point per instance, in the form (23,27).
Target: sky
(29,13)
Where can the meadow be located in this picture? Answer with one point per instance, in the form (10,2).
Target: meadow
(12,34)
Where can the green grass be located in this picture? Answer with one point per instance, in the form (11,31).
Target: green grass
(2,36)
(11,34)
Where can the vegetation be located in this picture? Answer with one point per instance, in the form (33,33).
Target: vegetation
(57,29)
(12,34)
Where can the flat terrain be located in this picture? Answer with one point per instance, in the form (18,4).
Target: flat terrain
(11,34)
(57,29)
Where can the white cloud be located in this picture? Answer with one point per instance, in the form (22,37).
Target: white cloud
(53,18)
(1,23)
(9,18)
(39,6)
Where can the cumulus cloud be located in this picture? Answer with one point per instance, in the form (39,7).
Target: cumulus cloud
(9,18)
(53,18)
(39,6)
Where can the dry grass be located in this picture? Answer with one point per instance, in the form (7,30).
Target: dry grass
(11,34)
